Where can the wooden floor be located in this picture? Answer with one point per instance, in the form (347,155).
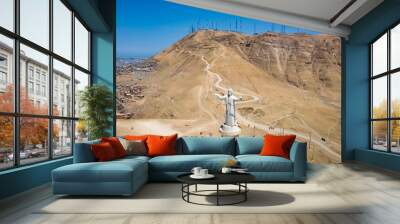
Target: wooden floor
(379,189)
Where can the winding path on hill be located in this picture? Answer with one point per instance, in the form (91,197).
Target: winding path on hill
(254,98)
(217,84)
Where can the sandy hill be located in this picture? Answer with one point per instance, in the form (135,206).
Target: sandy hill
(289,83)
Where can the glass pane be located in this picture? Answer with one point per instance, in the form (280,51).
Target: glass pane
(379,97)
(33,139)
(62,29)
(81,131)
(395,136)
(62,138)
(62,89)
(81,81)
(395,47)
(395,94)
(379,135)
(7,14)
(35,21)
(379,56)
(81,45)
(6,142)
(34,97)
(6,74)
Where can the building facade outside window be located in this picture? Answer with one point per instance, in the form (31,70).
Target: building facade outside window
(3,72)
(45,131)
(30,87)
(30,72)
(3,78)
(385,91)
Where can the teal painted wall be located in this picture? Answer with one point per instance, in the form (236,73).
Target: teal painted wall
(24,178)
(103,53)
(103,63)
(356,103)
(380,159)
(356,95)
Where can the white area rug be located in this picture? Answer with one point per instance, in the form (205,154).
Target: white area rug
(166,198)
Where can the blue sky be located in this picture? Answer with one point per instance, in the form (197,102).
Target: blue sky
(146,27)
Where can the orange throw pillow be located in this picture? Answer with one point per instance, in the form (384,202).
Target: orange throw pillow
(136,137)
(116,145)
(277,145)
(161,145)
(103,152)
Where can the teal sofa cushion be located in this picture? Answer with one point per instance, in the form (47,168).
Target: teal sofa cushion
(206,145)
(249,145)
(132,158)
(118,177)
(298,155)
(93,172)
(257,163)
(83,152)
(112,171)
(185,163)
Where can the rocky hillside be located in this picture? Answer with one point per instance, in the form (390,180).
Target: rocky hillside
(310,62)
(287,81)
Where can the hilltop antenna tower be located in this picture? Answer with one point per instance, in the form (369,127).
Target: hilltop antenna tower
(198,24)
(236,25)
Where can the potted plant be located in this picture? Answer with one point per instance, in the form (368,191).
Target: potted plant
(96,103)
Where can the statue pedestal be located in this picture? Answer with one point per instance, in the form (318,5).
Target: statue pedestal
(226,130)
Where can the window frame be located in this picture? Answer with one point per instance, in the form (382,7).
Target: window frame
(388,74)
(16,114)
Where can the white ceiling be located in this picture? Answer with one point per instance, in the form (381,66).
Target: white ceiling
(308,14)
(321,9)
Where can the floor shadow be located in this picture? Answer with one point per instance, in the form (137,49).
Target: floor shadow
(169,191)
(256,198)
(148,191)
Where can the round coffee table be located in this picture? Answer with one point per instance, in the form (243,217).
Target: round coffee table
(238,179)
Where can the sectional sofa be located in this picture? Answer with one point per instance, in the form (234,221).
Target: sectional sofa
(125,176)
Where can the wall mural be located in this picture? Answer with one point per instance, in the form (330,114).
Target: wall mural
(180,69)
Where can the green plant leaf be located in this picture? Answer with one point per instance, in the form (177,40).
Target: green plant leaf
(96,102)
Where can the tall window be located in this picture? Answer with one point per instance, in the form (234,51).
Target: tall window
(41,57)
(385,91)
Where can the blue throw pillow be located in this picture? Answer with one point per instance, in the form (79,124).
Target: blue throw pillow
(249,145)
(207,145)
(83,152)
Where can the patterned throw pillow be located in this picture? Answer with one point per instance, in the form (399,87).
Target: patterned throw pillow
(134,147)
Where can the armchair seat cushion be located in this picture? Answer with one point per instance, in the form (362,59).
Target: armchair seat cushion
(257,163)
(185,163)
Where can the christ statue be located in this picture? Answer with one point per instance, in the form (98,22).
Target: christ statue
(230,125)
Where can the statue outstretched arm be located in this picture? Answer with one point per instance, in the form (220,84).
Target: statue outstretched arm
(235,98)
(220,96)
